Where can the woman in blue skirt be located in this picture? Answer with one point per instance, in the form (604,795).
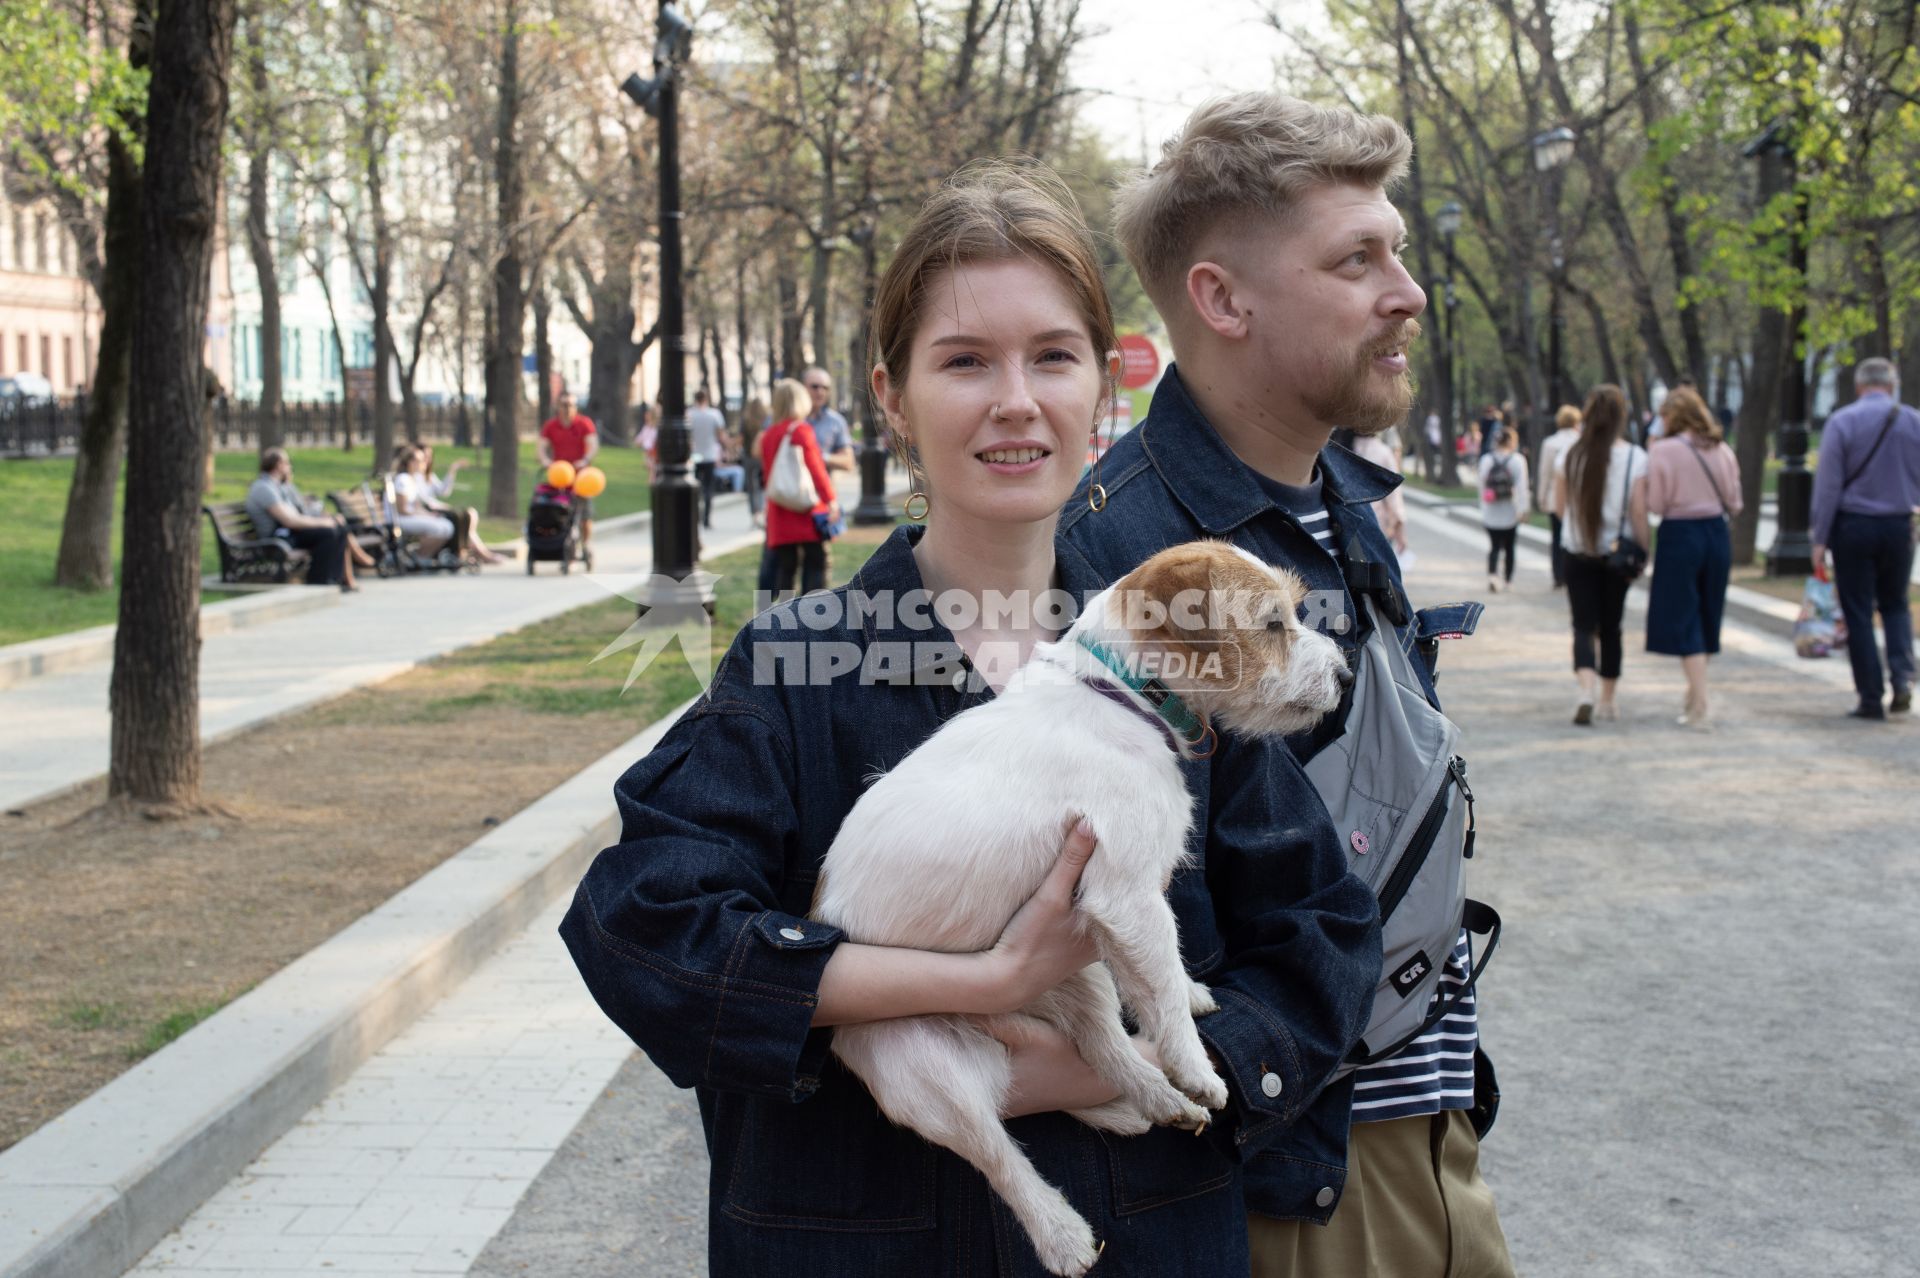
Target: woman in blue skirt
(1693,485)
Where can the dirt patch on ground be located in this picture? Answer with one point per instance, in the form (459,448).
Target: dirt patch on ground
(122,933)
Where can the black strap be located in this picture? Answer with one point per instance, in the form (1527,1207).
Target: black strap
(1626,497)
(1711,481)
(1478,918)
(1878,440)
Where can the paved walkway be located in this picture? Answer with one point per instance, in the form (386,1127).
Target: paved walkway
(1697,1011)
(58,727)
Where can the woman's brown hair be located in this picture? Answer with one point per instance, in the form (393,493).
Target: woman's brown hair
(1685,413)
(1602,421)
(991,211)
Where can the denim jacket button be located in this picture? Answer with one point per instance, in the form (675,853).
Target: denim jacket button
(1270,1084)
(1325,1197)
(793,934)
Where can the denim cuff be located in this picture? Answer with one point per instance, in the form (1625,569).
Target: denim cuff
(1262,1069)
(763,1037)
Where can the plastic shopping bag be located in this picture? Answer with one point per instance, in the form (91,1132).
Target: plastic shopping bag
(1819,629)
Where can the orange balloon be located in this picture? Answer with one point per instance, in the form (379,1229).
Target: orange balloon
(590,482)
(561,474)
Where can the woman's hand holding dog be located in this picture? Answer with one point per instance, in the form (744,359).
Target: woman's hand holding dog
(1041,946)
(1043,943)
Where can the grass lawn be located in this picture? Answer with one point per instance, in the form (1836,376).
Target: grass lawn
(33,498)
(122,932)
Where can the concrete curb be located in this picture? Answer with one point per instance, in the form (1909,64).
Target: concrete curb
(92,1191)
(1762,611)
(56,654)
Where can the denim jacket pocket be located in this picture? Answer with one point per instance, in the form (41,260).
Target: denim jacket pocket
(1165,1165)
(829,1163)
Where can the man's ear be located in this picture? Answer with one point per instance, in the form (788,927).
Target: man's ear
(1211,292)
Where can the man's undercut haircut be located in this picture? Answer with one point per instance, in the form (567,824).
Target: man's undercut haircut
(1873,371)
(1253,154)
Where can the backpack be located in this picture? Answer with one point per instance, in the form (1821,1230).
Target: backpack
(1396,788)
(790,484)
(1499,481)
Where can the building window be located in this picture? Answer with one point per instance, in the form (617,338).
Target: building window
(66,252)
(19,240)
(21,346)
(46,357)
(66,361)
(8,258)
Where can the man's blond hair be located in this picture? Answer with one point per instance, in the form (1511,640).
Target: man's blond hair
(1249,154)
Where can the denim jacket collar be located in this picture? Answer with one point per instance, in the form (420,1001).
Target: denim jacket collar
(1215,486)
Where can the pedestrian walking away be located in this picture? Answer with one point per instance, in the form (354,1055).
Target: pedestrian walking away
(1505,498)
(1866,492)
(992,336)
(1566,429)
(708,431)
(794,545)
(1693,485)
(1266,240)
(1601,483)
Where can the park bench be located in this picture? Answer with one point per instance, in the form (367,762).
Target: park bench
(366,520)
(245,556)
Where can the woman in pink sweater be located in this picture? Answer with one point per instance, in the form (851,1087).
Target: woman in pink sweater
(1693,485)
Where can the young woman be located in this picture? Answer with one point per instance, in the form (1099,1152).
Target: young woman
(411,514)
(466,520)
(793,539)
(1504,501)
(996,352)
(1601,484)
(1693,484)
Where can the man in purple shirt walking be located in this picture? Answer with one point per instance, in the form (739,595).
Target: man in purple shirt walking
(1865,495)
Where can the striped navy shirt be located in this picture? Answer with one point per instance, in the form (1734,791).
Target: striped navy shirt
(1435,1071)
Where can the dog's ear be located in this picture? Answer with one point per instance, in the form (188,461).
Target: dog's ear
(1165,603)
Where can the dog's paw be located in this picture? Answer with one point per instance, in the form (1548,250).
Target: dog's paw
(1200,1001)
(1197,1079)
(1116,1116)
(1063,1240)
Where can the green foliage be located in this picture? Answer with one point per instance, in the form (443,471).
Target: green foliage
(170,1027)
(60,89)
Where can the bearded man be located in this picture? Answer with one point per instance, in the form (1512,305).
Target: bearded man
(1267,241)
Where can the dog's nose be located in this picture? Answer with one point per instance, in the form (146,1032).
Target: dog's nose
(1343,675)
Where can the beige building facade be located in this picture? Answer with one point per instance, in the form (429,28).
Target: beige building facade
(49,318)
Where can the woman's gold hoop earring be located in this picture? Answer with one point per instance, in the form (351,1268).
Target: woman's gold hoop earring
(1096,492)
(917,516)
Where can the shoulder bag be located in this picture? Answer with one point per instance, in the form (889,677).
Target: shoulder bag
(790,486)
(1626,558)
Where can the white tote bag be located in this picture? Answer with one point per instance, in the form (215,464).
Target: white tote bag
(790,486)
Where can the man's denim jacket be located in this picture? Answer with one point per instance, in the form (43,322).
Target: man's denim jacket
(692,934)
(1173,479)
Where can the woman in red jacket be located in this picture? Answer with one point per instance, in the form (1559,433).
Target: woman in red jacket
(793,540)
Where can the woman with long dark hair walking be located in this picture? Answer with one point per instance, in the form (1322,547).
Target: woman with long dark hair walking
(1601,484)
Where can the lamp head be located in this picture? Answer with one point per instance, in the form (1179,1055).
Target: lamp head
(1553,148)
(1447,220)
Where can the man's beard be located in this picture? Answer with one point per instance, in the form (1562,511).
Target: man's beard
(1358,401)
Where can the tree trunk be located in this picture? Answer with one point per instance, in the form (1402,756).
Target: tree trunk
(1678,246)
(792,358)
(740,333)
(85,560)
(700,344)
(1909,360)
(719,368)
(1439,355)
(1759,412)
(503,361)
(542,351)
(381,298)
(260,239)
(155,691)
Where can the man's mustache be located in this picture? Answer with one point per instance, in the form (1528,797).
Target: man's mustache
(1401,338)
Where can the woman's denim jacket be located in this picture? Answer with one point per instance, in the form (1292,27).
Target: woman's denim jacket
(692,933)
(1173,479)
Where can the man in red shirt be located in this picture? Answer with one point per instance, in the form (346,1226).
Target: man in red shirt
(570,437)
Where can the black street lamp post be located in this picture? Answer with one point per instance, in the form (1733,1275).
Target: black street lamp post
(675,495)
(1791,554)
(874,507)
(1551,151)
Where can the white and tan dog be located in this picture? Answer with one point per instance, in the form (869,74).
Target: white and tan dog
(986,800)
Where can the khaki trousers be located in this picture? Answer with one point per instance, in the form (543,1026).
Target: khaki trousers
(1414,1207)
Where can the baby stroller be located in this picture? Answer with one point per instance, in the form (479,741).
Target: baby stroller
(553,529)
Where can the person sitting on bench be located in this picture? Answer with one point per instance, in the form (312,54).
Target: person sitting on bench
(278,510)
